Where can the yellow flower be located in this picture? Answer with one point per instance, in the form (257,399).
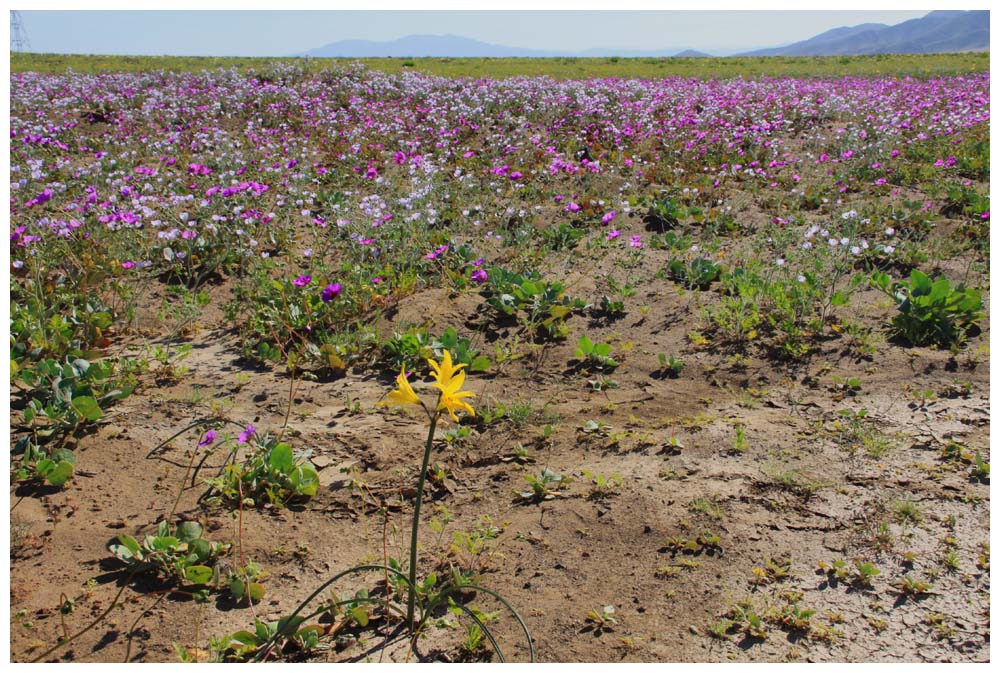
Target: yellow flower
(449,382)
(445,371)
(403,394)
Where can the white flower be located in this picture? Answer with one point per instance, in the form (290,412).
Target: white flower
(780,262)
(801,278)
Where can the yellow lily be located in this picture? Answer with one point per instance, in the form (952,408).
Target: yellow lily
(449,381)
(403,394)
(445,371)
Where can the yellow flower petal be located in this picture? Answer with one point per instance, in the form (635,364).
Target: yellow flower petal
(445,371)
(403,394)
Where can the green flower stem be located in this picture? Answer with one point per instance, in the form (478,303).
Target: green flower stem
(416,519)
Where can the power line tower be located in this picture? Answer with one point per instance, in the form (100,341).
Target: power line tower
(18,35)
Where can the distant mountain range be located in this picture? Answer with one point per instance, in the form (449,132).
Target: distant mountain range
(455,46)
(941,31)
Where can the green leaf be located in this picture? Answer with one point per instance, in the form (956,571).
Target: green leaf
(839,298)
(305,480)
(281,458)
(237,588)
(60,474)
(256,591)
(164,542)
(920,283)
(480,364)
(122,553)
(200,549)
(189,531)
(198,574)
(64,454)
(360,615)
(130,543)
(87,407)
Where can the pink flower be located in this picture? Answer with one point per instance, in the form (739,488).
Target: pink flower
(636,242)
(608,217)
(302,281)
(330,292)
(436,253)
(612,235)
(479,276)
(571,207)
(246,434)
(128,265)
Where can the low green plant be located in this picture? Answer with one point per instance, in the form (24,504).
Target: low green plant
(613,303)
(541,306)
(603,486)
(698,273)
(672,365)
(64,395)
(981,469)
(269,474)
(932,312)
(603,619)
(595,355)
(286,636)
(181,554)
(543,487)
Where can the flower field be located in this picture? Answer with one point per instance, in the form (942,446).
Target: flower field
(334,364)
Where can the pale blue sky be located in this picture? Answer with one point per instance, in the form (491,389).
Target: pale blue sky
(279,33)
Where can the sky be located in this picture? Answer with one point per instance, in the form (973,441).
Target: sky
(282,33)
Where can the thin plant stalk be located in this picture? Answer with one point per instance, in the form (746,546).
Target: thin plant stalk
(416,519)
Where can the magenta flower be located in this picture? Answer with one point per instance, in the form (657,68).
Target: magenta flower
(636,242)
(128,265)
(437,253)
(302,281)
(608,217)
(330,292)
(479,276)
(208,439)
(572,207)
(246,434)
(612,235)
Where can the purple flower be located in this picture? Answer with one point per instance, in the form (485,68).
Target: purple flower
(128,265)
(572,207)
(330,292)
(636,242)
(608,217)
(437,253)
(209,438)
(612,235)
(302,281)
(479,276)
(246,434)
